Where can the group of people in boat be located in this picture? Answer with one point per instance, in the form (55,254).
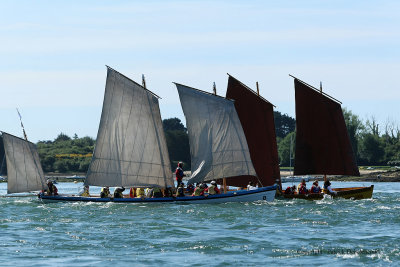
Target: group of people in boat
(51,189)
(315,188)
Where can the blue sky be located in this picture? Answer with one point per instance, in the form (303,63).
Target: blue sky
(53,55)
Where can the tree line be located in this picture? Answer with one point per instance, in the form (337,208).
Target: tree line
(372,144)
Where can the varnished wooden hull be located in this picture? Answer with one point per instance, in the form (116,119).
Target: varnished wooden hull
(348,193)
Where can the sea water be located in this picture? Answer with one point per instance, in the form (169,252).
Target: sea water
(285,232)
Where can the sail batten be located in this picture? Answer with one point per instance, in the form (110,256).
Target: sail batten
(130,150)
(257,119)
(218,146)
(322,141)
(24,171)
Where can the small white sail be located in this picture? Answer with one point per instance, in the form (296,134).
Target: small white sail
(24,171)
(218,146)
(130,150)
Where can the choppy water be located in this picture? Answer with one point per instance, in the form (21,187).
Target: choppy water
(296,232)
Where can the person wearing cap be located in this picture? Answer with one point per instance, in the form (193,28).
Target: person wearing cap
(51,189)
(315,188)
(118,192)
(84,192)
(213,189)
(328,189)
(179,174)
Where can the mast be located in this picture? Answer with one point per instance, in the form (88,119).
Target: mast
(320,88)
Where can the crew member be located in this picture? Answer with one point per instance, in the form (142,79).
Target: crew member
(302,187)
(179,174)
(85,191)
(105,192)
(199,190)
(315,188)
(52,189)
(213,189)
(328,189)
(180,190)
(118,192)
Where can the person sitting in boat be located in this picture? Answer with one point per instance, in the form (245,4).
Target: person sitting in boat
(140,192)
(328,189)
(85,191)
(251,186)
(315,188)
(199,190)
(118,192)
(167,192)
(179,174)
(213,189)
(190,188)
(302,187)
(105,192)
(290,190)
(180,191)
(156,192)
(132,192)
(51,189)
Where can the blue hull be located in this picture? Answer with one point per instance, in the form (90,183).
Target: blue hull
(260,194)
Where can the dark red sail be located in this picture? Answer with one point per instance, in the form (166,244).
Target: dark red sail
(322,142)
(257,118)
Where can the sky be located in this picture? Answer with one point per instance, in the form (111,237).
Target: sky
(53,55)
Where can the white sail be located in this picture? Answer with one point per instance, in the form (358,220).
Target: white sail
(218,146)
(24,171)
(130,150)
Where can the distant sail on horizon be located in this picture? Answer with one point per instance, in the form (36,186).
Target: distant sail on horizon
(257,118)
(24,171)
(130,149)
(218,146)
(322,141)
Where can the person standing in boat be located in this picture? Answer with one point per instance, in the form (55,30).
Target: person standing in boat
(118,192)
(328,189)
(315,188)
(179,174)
(302,187)
(105,192)
(213,189)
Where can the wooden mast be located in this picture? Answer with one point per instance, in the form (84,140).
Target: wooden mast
(22,125)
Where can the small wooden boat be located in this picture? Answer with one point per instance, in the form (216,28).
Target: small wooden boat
(322,141)
(348,193)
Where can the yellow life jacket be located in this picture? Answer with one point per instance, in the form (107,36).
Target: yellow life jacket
(140,192)
(85,193)
(197,191)
(211,190)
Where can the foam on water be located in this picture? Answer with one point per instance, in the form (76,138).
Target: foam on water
(329,232)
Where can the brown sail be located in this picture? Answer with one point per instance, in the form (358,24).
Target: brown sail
(322,142)
(257,118)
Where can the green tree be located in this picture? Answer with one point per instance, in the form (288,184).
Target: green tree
(286,147)
(284,124)
(371,150)
(354,128)
(177,142)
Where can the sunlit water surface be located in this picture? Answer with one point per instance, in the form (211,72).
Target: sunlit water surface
(327,232)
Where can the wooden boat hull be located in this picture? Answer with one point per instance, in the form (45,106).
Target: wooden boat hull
(260,194)
(348,193)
